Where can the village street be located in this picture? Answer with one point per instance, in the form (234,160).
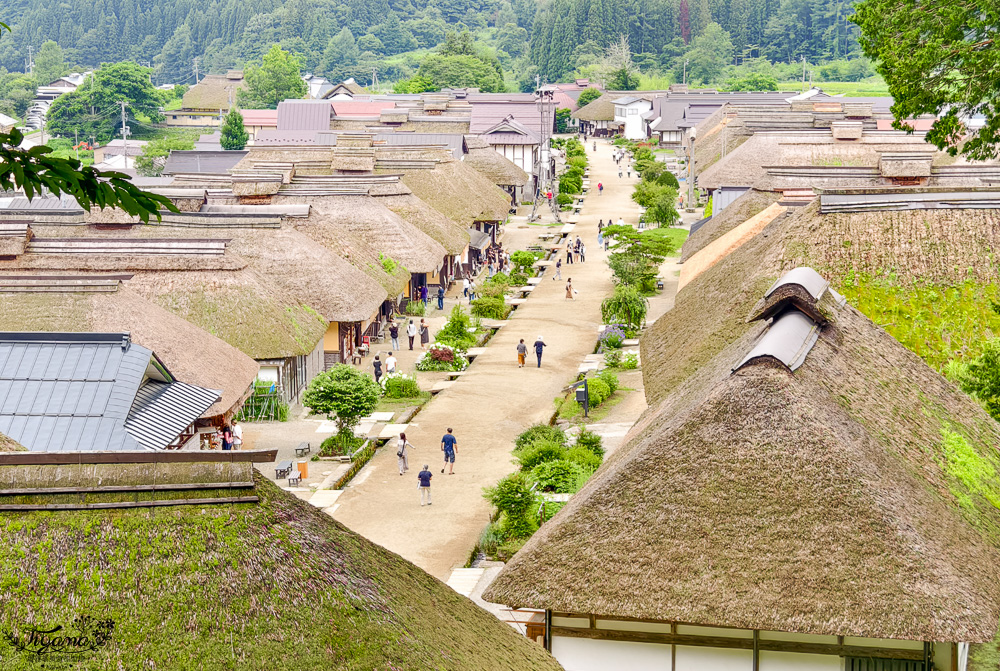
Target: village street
(491,403)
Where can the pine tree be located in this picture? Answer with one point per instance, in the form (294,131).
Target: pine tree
(233,135)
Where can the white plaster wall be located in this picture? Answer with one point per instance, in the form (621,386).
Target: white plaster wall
(583,654)
(793,661)
(713,659)
(268,374)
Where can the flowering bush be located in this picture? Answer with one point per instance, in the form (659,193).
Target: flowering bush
(399,385)
(442,357)
(613,337)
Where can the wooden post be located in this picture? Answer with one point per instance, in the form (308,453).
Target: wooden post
(548,630)
(756,650)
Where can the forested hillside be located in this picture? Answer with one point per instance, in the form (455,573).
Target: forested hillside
(341,38)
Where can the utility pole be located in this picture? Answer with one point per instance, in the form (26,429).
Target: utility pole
(195,69)
(803,72)
(690,167)
(31,61)
(76,137)
(125,132)
(685,80)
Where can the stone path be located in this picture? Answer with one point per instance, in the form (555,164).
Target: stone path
(489,405)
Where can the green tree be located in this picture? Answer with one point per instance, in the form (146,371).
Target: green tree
(93,109)
(942,59)
(155,153)
(50,63)
(709,55)
(981,378)
(394,35)
(176,60)
(342,51)
(562,120)
(657,172)
(343,395)
(233,135)
(625,306)
(460,72)
(753,81)
(277,78)
(512,39)
(659,200)
(16,93)
(635,258)
(588,95)
(415,84)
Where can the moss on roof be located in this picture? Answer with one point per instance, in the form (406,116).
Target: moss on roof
(273,585)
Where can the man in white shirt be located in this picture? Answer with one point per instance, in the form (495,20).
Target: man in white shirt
(390,364)
(237,435)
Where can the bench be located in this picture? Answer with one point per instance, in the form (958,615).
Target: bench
(454,375)
(303,449)
(283,469)
(294,478)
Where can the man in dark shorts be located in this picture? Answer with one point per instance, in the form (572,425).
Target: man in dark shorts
(448,445)
(424,484)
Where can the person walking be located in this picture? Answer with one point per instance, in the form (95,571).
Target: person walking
(583,253)
(472,291)
(619,172)
(424,485)
(600,189)
(394,335)
(522,352)
(237,435)
(425,334)
(377,365)
(569,253)
(423,294)
(558,275)
(539,345)
(569,288)
(440,294)
(411,332)
(465,287)
(621,221)
(449,445)
(227,438)
(390,364)
(401,445)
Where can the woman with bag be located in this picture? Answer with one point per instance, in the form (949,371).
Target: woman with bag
(425,334)
(401,445)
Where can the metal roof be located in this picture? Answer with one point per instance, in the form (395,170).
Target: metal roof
(805,277)
(478,239)
(70,392)
(453,141)
(162,410)
(298,115)
(788,340)
(698,224)
(202,162)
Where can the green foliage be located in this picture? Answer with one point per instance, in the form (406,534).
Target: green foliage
(590,441)
(400,385)
(33,170)
(519,526)
(588,95)
(708,207)
(937,322)
(613,357)
(441,357)
(388,264)
(629,361)
(277,78)
(342,394)
(523,261)
(16,93)
(636,257)
(233,135)
(154,155)
(264,404)
(93,109)
(597,391)
(50,63)
(562,120)
(934,61)
(658,173)
(659,200)
(561,476)
(754,81)
(548,509)
(584,457)
(609,379)
(342,443)
(455,332)
(490,307)
(981,378)
(625,306)
(415,84)
(709,55)
(537,452)
(538,433)
(978,474)
(512,495)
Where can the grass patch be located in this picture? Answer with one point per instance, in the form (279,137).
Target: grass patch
(939,323)
(572,411)
(397,404)
(675,235)
(873,86)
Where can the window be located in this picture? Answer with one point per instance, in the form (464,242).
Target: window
(877,664)
(633,112)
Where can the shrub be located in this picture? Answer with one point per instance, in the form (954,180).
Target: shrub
(389,265)
(597,391)
(613,357)
(590,441)
(613,337)
(564,199)
(549,509)
(512,495)
(416,309)
(584,457)
(342,394)
(520,526)
(507,550)
(399,385)
(626,307)
(539,452)
(442,357)
(630,361)
(488,290)
(455,332)
(523,260)
(490,307)
(561,476)
(611,380)
(490,539)
(342,443)
(502,280)
(537,433)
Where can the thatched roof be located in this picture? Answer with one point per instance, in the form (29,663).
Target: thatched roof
(748,205)
(190,353)
(8,444)
(452,236)
(825,501)
(497,168)
(746,164)
(601,109)
(282,579)
(458,191)
(213,93)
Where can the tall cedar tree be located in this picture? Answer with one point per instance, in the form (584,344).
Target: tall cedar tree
(233,135)
(685,22)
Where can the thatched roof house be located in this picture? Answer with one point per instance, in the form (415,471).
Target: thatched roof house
(794,482)
(104,303)
(453,237)
(243,576)
(214,92)
(498,169)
